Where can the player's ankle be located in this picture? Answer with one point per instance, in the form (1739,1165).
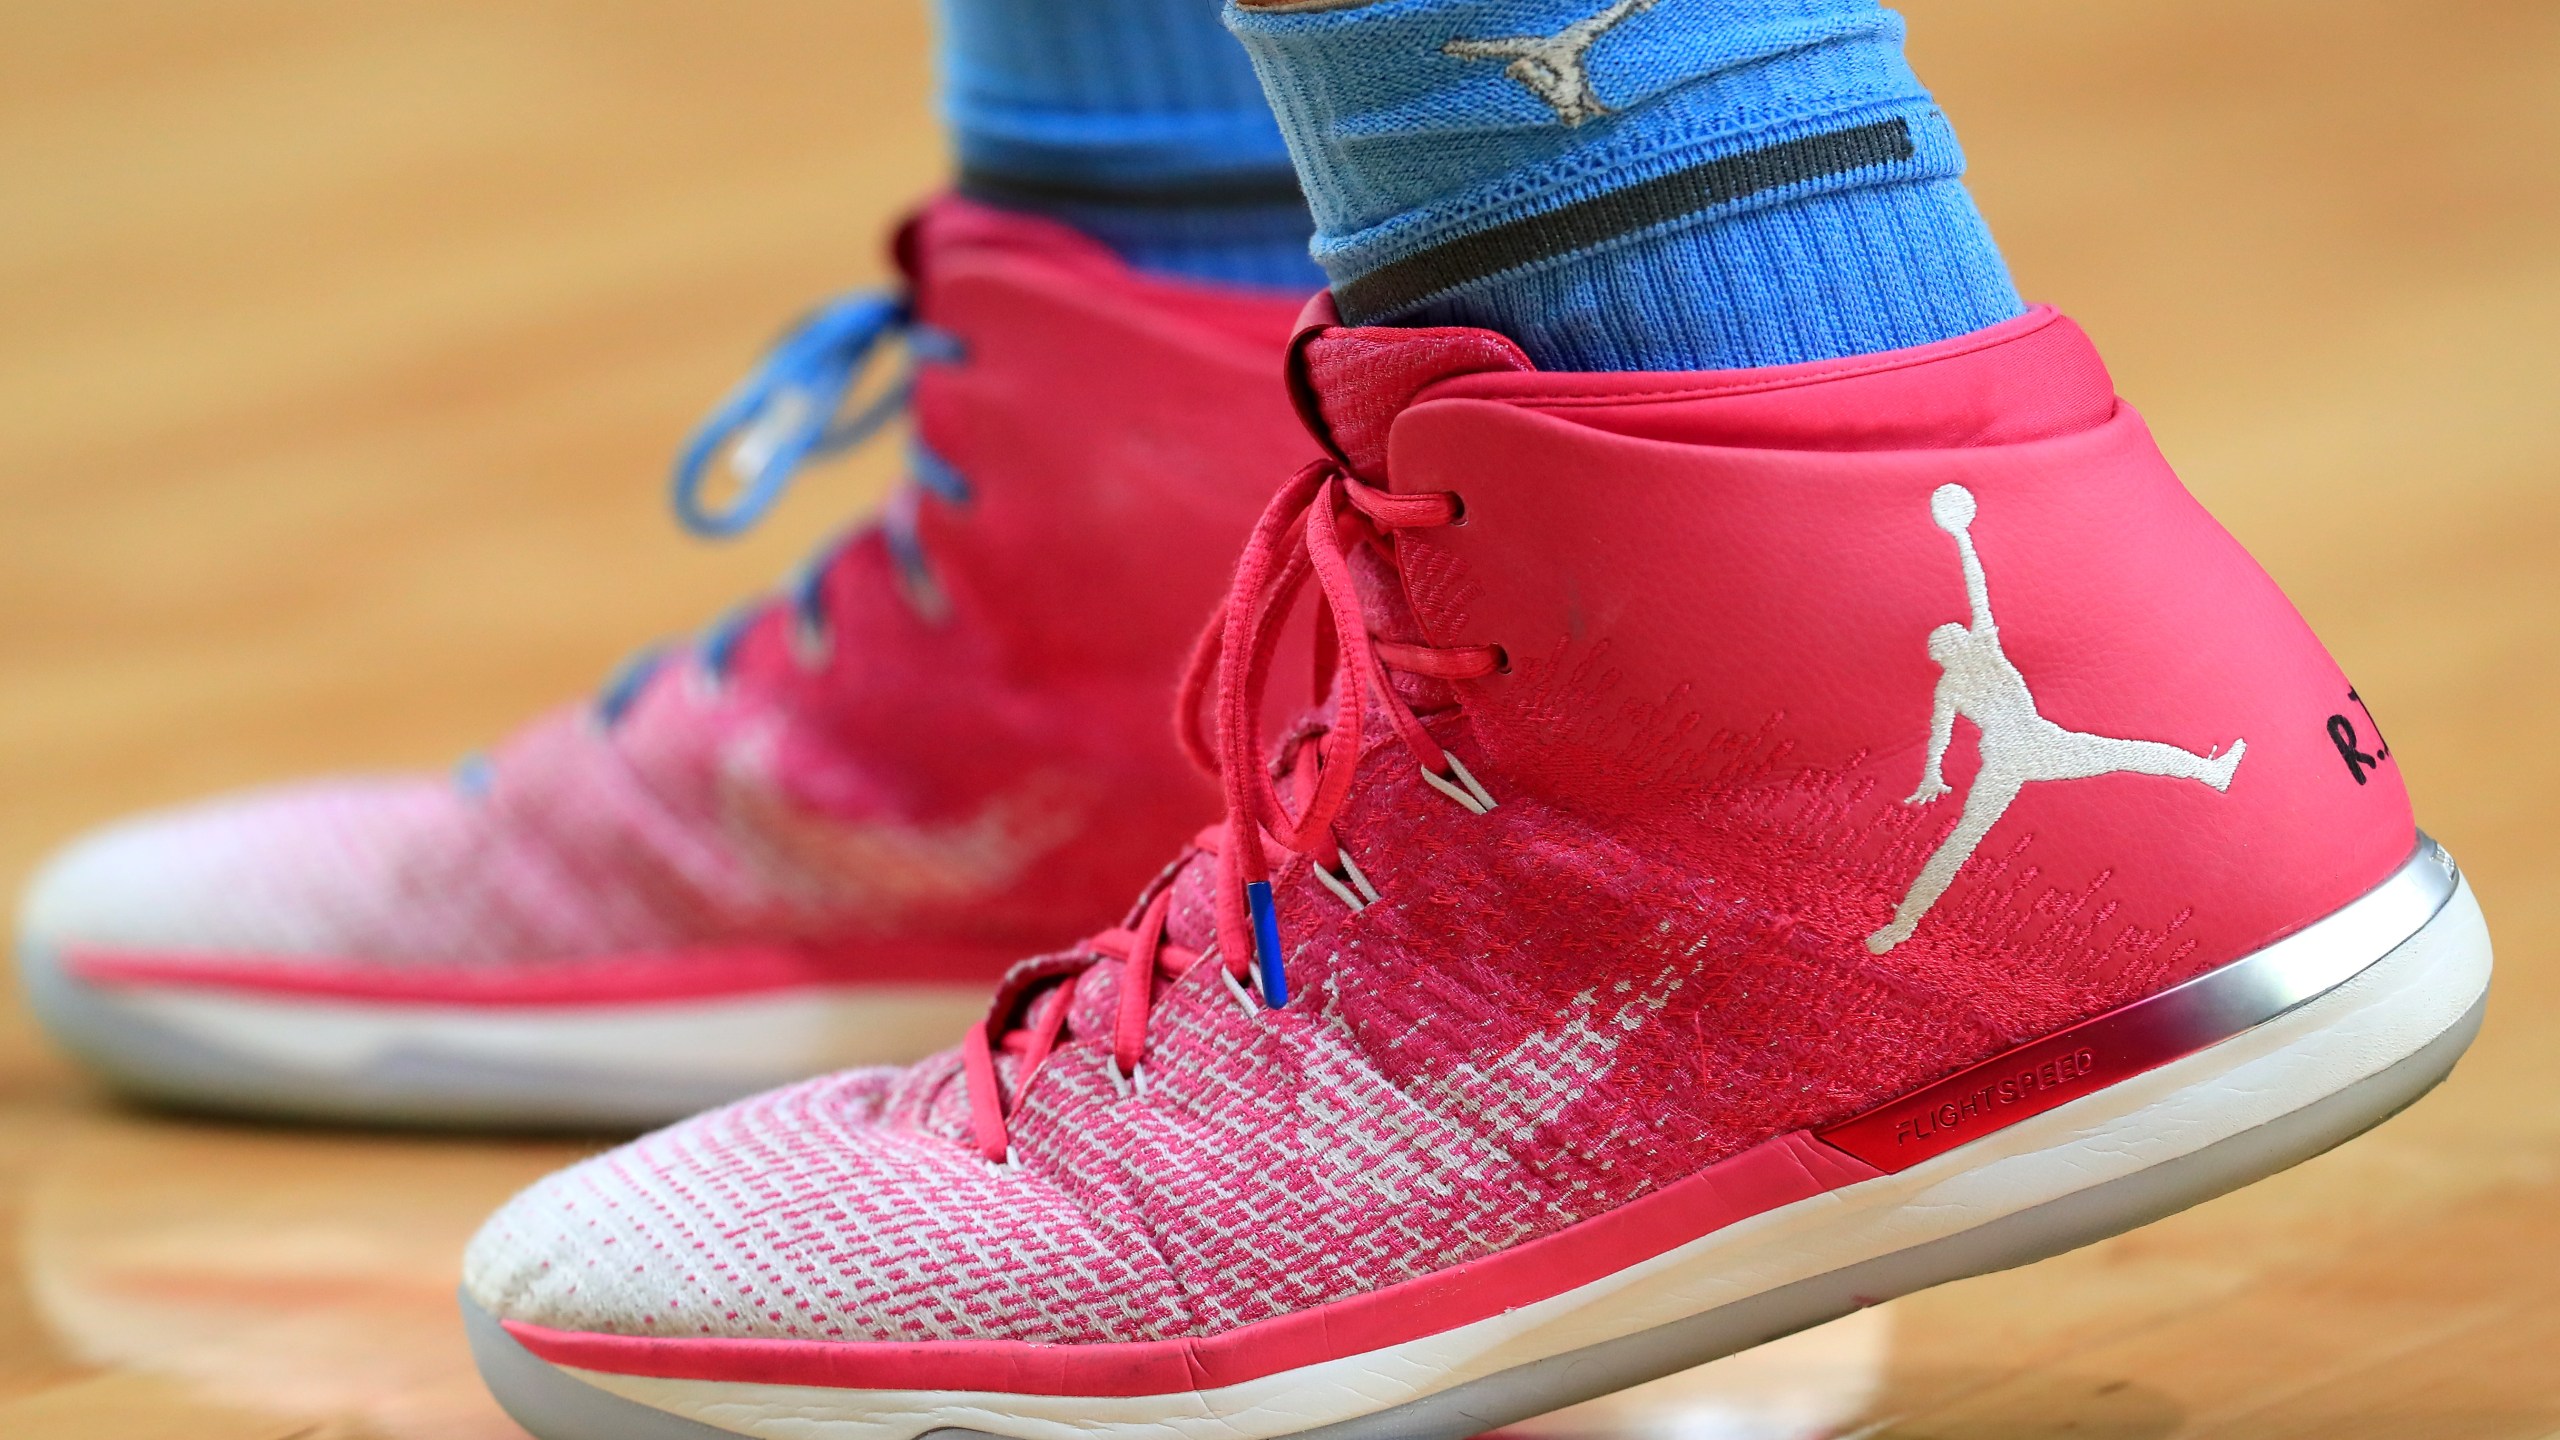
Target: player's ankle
(1138,122)
(1768,185)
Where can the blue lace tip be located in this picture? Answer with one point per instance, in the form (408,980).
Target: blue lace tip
(1266,944)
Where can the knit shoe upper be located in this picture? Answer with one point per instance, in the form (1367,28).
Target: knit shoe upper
(1708,761)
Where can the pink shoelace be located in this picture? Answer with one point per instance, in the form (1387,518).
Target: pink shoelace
(1308,532)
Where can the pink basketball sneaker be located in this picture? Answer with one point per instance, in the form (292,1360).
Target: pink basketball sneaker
(1781,839)
(813,838)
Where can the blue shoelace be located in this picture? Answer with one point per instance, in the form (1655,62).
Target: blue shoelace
(789,411)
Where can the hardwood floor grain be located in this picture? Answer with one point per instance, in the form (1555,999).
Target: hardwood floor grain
(342,347)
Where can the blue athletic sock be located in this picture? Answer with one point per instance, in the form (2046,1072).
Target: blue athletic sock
(1137,121)
(1630,184)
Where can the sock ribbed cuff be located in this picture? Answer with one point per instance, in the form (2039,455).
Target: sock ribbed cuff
(1137,121)
(1104,92)
(1561,170)
(1625,198)
(1852,272)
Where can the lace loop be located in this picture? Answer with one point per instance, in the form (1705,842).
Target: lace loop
(986,1101)
(785,412)
(1137,987)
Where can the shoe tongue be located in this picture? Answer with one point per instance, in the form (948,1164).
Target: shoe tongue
(1350,382)
(1093,1002)
(1192,923)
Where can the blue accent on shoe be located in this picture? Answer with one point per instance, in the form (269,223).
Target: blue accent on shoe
(783,415)
(623,689)
(1138,122)
(1267,968)
(1644,184)
(807,587)
(935,474)
(718,645)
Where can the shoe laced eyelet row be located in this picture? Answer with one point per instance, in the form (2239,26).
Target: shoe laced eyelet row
(792,409)
(1351,887)
(1305,536)
(1460,785)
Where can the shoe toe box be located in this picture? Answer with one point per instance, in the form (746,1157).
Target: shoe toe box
(800,1215)
(277,873)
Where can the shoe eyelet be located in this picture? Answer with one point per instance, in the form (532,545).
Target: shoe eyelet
(813,644)
(1457,508)
(1244,999)
(1461,785)
(1351,887)
(1501,660)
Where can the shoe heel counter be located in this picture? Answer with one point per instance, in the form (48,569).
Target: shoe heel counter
(2162,774)
(2025,700)
(2320,812)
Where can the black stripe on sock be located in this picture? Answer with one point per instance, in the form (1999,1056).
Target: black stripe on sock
(1602,218)
(1251,190)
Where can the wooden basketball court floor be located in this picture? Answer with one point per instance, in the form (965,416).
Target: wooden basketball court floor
(342,347)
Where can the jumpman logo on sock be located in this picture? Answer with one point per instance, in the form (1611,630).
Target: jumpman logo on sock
(1553,67)
(2018,746)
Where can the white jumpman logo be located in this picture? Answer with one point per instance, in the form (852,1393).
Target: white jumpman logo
(2018,745)
(1553,66)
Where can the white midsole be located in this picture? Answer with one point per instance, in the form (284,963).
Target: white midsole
(2390,1010)
(749,1041)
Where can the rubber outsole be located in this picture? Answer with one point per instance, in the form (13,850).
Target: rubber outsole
(556,1404)
(413,1083)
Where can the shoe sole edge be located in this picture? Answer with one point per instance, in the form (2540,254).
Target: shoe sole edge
(2374,1077)
(334,1060)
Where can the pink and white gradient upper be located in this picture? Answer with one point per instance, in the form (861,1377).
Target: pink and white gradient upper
(1546,1022)
(1370,1134)
(669,832)
(295,870)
